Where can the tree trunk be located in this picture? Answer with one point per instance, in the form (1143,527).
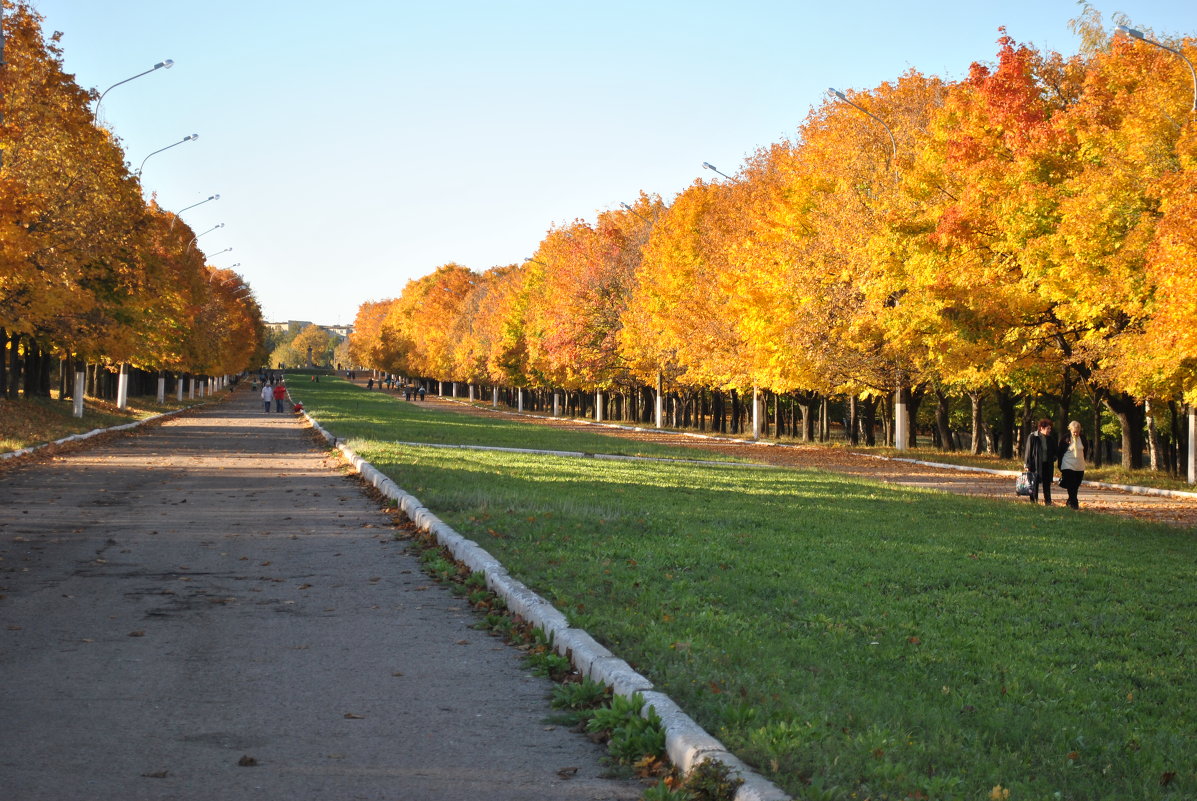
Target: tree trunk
(868,420)
(914,400)
(943,421)
(978,402)
(14,366)
(3,362)
(850,425)
(1153,437)
(1131,418)
(1007,402)
(1066,391)
(1098,451)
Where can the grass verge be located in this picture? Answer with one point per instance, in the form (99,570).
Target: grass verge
(35,421)
(851,640)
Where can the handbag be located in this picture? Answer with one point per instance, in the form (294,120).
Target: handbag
(1022,484)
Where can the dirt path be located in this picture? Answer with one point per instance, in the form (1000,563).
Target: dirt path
(1174,511)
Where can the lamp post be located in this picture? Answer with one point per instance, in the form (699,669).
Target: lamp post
(164,64)
(193,205)
(901,423)
(638,214)
(197,236)
(706,165)
(217,253)
(1135,34)
(189,138)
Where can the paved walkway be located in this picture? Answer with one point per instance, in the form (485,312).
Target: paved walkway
(210,610)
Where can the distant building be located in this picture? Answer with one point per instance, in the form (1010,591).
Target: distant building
(342,331)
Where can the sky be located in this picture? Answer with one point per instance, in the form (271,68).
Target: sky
(358,145)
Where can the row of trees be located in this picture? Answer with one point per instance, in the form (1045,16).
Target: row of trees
(1027,231)
(89,272)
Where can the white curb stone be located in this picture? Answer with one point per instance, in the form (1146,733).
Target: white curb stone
(619,676)
(582,649)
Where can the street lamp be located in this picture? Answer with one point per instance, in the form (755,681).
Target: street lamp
(190,138)
(217,253)
(197,236)
(1134,34)
(165,63)
(638,214)
(893,143)
(706,165)
(193,205)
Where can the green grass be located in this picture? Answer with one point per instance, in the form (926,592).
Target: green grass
(850,639)
(35,421)
(351,412)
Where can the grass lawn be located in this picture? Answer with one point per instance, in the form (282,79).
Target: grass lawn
(852,640)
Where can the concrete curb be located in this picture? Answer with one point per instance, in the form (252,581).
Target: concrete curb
(686,743)
(96,432)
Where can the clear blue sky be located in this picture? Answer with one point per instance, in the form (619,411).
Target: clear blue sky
(357,145)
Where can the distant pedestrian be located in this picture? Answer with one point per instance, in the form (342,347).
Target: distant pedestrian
(280,393)
(1040,461)
(406,392)
(421,391)
(1073,450)
(267,395)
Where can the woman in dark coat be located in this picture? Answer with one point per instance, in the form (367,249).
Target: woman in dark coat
(1040,461)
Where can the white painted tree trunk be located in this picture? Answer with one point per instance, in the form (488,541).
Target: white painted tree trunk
(1193,444)
(494,397)
(179,381)
(80,386)
(901,422)
(122,387)
(598,406)
(756,413)
(659,402)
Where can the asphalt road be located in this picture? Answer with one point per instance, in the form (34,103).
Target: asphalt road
(211,610)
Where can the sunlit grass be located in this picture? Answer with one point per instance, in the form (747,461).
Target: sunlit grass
(852,639)
(36,421)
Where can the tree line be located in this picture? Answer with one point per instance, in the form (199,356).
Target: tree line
(1021,238)
(90,273)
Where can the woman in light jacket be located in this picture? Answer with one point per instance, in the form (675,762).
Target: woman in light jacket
(1073,450)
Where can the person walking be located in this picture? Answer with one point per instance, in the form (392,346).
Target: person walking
(1040,461)
(1073,450)
(370,383)
(280,392)
(267,395)
(420,391)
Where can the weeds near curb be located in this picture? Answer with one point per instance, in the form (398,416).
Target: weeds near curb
(632,740)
